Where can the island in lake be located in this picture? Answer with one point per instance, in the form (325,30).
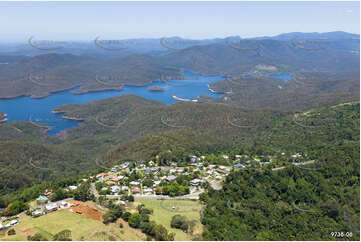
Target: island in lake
(156,88)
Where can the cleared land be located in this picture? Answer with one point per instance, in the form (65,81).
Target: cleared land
(82,227)
(164,210)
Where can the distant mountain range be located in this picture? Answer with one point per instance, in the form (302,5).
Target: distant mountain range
(153,46)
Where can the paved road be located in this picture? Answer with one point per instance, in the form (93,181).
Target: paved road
(295,164)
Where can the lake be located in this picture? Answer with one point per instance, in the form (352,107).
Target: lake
(39,110)
(283,76)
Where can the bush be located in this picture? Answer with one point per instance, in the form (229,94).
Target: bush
(135,220)
(37,237)
(11,232)
(126,216)
(131,198)
(180,222)
(64,235)
(121,225)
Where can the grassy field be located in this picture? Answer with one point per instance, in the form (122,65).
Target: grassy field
(164,210)
(82,228)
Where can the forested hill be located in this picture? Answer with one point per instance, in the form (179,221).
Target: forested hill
(295,203)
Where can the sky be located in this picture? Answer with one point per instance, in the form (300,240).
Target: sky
(195,20)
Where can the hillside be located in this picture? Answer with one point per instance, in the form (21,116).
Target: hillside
(47,73)
(303,204)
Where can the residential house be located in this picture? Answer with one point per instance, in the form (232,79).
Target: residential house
(148,191)
(125,188)
(110,183)
(156,183)
(115,189)
(73,188)
(115,179)
(195,182)
(51,207)
(134,183)
(239,166)
(37,212)
(136,190)
(171,178)
(47,192)
(41,200)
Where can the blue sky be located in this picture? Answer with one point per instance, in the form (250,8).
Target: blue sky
(197,20)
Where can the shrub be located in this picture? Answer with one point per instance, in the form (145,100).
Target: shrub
(37,237)
(64,235)
(180,222)
(11,232)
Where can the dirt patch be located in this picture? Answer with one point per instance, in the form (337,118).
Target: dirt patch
(87,209)
(28,232)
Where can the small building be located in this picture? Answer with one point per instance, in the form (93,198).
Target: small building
(51,207)
(115,189)
(195,182)
(41,200)
(221,171)
(37,212)
(136,190)
(115,179)
(1,226)
(156,183)
(147,171)
(239,166)
(171,178)
(64,204)
(47,192)
(125,188)
(73,188)
(110,183)
(134,183)
(148,190)
(180,169)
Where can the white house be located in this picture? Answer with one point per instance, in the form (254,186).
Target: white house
(171,178)
(115,189)
(73,187)
(51,207)
(125,188)
(195,182)
(134,183)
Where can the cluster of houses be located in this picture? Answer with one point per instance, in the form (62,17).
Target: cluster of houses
(43,205)
(118,179)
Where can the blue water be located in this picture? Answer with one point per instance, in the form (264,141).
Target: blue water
(284,77)
(39,110)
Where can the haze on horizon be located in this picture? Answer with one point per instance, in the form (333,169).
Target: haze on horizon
(81,21)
